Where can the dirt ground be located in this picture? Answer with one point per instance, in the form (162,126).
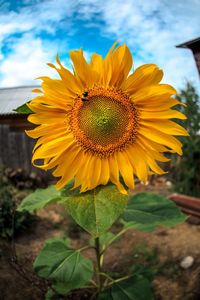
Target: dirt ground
(162,250)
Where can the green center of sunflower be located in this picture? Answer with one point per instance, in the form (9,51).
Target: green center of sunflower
(105,121)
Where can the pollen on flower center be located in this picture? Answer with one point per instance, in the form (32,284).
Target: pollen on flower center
(104,122)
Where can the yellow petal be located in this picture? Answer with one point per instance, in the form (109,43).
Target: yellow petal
(152,93)
(161,138)
(151,144)
(83,70)
(165,114)
(114,169)
(44,129)
(57,88)
(105,171)
(121,61)
(145,75)
(149,151)
(80,176)
(114,174)
(107,71)
(37,91)
(49,118)
(97,64)
(165,126)
(107,66)
(43,108)
(69,169)
(158,103)
(59,103)
(94,172)
(54,147)
(125,168)
(68,164)
(137,159)
(70,80)
(50,163)
(154,166)
(50,137)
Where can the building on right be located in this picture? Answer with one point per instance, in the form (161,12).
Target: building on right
(193,45)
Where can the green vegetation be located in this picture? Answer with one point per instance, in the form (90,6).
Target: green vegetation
(66,268)
(11,222)
(185,173)
(149,257)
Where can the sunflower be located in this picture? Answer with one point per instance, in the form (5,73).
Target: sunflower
(100,124)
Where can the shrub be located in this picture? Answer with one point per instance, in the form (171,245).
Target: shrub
(11,221)
(185,173)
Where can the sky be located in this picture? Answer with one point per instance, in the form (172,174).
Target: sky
(32,32)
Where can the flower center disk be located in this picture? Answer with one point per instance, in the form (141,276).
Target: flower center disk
(104,121)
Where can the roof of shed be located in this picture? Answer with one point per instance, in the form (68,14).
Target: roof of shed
(11,98)
(189,44)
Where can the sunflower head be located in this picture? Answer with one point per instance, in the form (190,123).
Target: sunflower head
(103,122)
(100,123)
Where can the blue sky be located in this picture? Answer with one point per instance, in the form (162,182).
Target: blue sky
(32,32)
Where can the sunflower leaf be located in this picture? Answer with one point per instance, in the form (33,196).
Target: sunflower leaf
(136,287)
(65,267)
(146,211)
(39,199)
(23,109)
(95,210)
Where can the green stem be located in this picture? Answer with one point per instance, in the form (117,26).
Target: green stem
(98,259)
(85,248)
(117,280)
(122,278)
(114,238)
(107,276)
(93,283)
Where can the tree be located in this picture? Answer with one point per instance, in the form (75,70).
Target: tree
(185,173)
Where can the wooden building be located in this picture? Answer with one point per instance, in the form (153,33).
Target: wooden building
(194,46)
(15,146)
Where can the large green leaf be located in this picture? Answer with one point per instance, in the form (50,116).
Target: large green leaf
(23,109)
(146,211)
(66,267)
(39,199)
(95,210)
(137,287)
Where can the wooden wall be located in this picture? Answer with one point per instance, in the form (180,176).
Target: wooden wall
(15,146)
(195,47)
(197,59)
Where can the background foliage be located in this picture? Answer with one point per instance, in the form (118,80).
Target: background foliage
(185,173)
(14,186)
(67,269)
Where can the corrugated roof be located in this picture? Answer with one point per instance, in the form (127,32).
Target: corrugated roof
(11,98)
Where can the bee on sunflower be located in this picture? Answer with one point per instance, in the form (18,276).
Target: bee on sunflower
(100,123)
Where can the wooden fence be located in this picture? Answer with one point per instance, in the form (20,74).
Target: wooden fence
(16,149)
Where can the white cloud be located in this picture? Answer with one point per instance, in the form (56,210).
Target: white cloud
(39,16)
(150,28)
(28,54)
(26,62)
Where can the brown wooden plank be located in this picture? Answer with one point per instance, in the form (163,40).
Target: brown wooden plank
(5,144)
